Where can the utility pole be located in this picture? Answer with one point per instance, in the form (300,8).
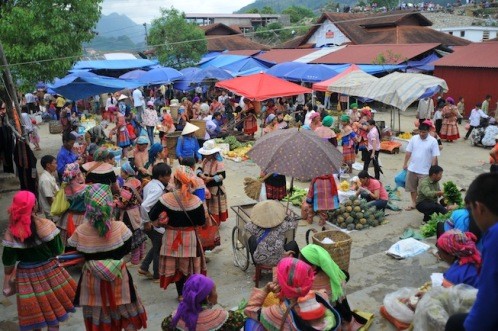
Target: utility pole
(11,90)
(146,38)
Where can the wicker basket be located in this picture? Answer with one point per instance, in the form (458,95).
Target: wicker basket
(171,140)
(55,127)
(340,250)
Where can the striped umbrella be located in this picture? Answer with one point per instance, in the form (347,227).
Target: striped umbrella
(351,81)
(400,90)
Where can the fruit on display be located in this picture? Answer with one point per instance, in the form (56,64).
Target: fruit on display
(355,214)
(344,186)
(405,135)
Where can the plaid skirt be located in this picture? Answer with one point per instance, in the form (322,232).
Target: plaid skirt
(45,293)
(348,154)
(217,205)
(131,316)
(172,269)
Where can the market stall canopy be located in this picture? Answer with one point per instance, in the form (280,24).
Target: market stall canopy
(115,64)
(160,75)
(350,82)
(133,75)
(83,84)
(297,153)
(400,90)
(209,74)
(262,86)
(282,69)
(245,66)
(311,73)
(184,83)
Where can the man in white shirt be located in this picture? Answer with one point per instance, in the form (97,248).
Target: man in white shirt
(223,98)
(425,109)
(161,174)
(26,120)
(30,102)
(475,119)
(138,103)
(47,185)
(422,152)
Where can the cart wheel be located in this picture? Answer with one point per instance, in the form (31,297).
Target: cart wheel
(240,251)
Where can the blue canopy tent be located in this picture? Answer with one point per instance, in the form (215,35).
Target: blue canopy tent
(184,83)
(244,66)
(282,69)
(311,73)
(133,75)
(221,60)
(83,84)
(209,74)
(423,65)
(114,64)
(160,75)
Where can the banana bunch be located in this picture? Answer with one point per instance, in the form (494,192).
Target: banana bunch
(406,136)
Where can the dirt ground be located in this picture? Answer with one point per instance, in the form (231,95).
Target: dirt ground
(373,273)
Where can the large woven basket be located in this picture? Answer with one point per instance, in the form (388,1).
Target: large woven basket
(55,127)
(340,250)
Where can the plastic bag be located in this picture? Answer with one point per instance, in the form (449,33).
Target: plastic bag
(438,304)
(60,203)
(400,178)
(262,194)
(396,308)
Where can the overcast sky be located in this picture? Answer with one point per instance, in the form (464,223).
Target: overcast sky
(144,11)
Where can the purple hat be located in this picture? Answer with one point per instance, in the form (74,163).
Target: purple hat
(195,99)
(450,100)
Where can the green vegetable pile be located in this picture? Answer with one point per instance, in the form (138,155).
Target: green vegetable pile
(233,142)
(429,229)
(297,196)
(451,194)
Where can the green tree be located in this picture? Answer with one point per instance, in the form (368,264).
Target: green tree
(253,11)
(267,10)
(297,13)
(43,39)
(177,43)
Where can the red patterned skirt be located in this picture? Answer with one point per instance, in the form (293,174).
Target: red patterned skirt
(348,154)
(45,294)
(250,125)
(449,130)
(217,205)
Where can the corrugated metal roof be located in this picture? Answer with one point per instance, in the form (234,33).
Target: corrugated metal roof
(478,55)
(367,54)
(284,55)
(318,54)
(245,52)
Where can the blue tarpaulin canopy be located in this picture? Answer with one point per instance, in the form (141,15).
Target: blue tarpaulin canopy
(242,67)
(282,69)
(160,75)
(82,84)
(311,73)
(209,74)
(184,83)
(115,64)
(425,64)
(221,60)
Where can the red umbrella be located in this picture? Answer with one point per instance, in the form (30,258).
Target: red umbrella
(261,86)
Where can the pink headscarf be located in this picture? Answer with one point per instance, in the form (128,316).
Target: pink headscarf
(462,245)
(295,278)
(20,214)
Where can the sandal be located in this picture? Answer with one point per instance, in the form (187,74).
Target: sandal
(145,273)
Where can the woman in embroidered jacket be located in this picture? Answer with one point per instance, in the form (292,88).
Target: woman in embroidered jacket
(105,290)
(128,203)
(181,211)
(74,188)
(212,171)
(45,291)
(195,312)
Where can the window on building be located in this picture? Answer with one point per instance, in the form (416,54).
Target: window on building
(485,35)
(462,33)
